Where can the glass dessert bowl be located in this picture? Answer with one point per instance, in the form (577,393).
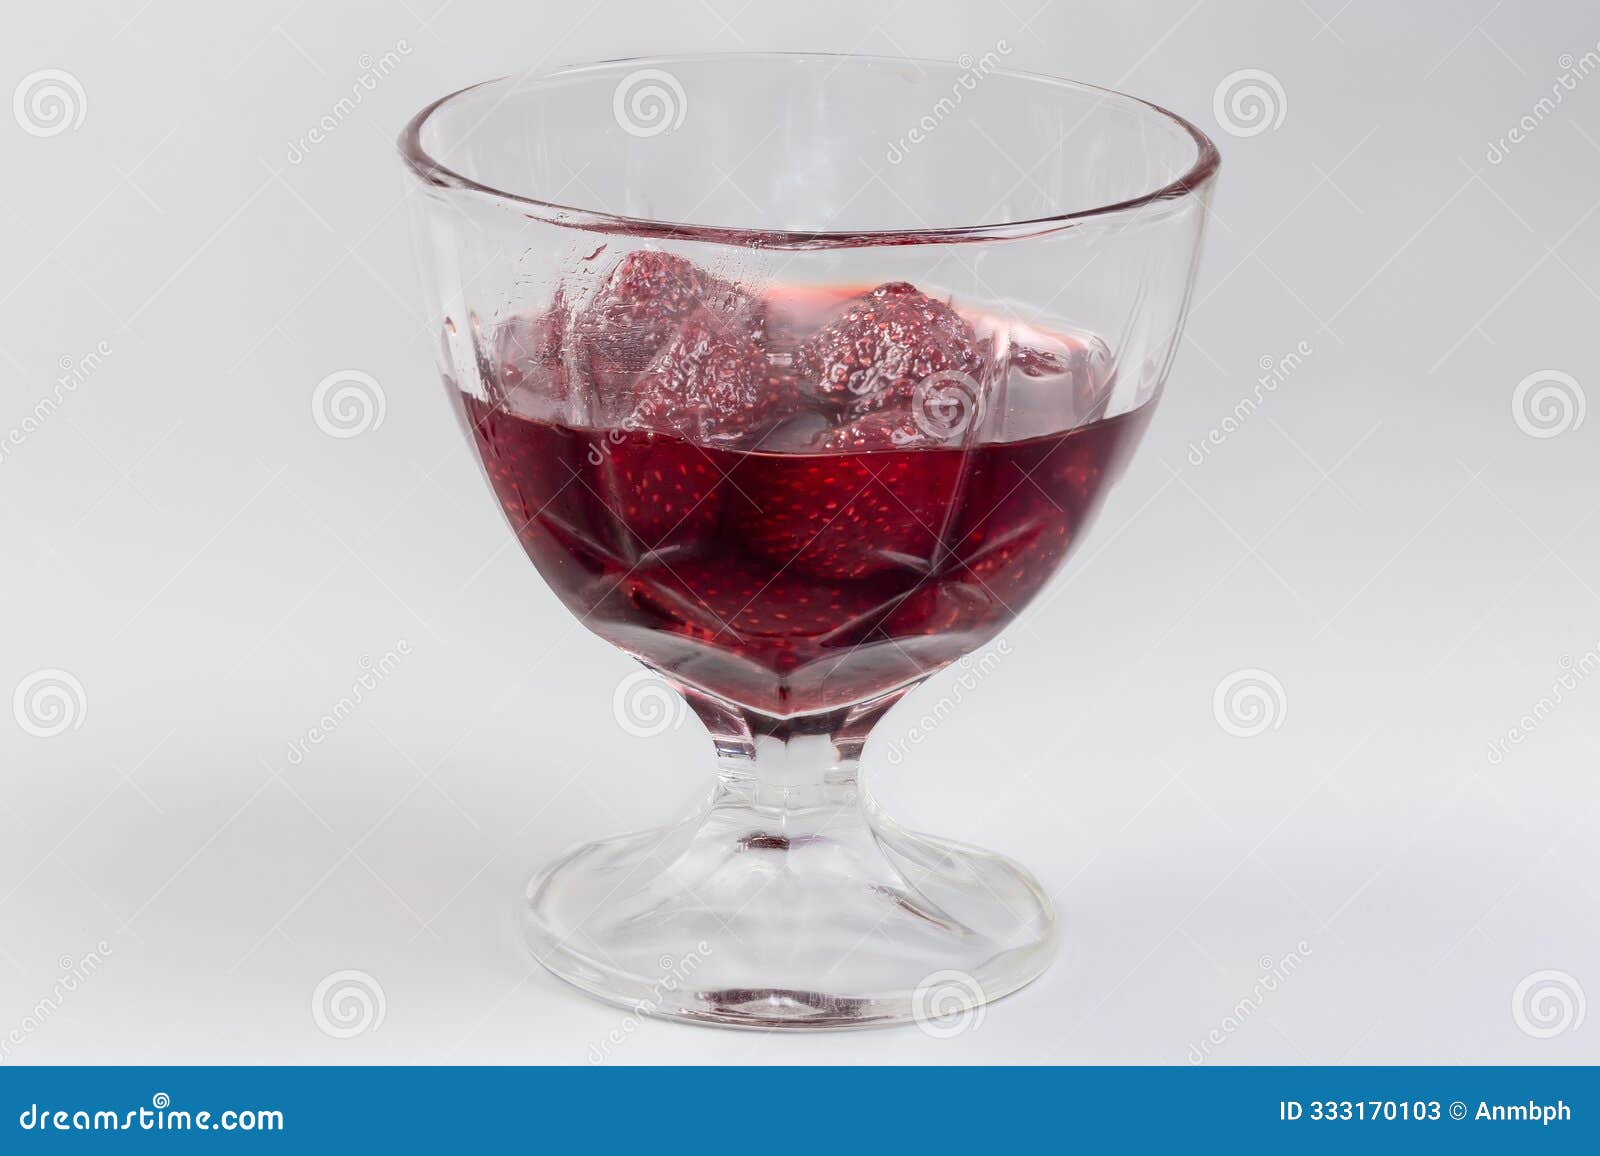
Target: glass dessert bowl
(798,378)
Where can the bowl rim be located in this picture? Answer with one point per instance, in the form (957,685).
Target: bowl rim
(434,173)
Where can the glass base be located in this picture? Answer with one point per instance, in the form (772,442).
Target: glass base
(791,907)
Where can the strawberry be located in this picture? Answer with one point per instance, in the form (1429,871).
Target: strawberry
(709,382)
(882,344)
(661,491)
(845,515)
(638,309)
(1022,509)
(891,428)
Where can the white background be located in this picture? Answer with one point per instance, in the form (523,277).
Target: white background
(1382,535)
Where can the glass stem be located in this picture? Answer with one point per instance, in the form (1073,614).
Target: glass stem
(789,775)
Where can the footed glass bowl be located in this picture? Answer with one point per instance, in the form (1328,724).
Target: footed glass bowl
(798,378)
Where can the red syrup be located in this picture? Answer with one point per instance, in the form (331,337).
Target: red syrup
(860,554)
